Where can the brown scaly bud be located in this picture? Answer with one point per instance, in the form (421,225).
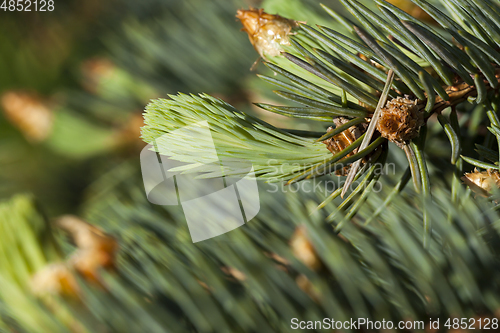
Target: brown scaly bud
(340,141)
(482,183)
(29,113)
(303,249)
(95,248)
(267,33)
(55,279)
(400,120)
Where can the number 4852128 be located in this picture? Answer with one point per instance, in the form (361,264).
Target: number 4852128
(27,5)
(472,323)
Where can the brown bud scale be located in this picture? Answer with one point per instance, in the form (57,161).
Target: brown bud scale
(96,250)
(304,250)
(30,113)
(400,120)
(339,142)
(482,183)
(267,33)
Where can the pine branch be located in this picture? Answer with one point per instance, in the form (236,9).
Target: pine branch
(274,153)
(381,262)
(466,67)
(331,75)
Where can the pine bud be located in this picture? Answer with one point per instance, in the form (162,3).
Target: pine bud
(95,248)
(29,113)
(400,120)
(304,250)
(55,279)
(340,141)
(482,183)
(267,33)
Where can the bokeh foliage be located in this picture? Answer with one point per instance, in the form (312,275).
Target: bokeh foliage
(373,262)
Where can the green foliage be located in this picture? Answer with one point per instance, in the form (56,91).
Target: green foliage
(67,134)
(187,42)
(324,74)
(374,262)
(27,246)
(371,271)
(237,136)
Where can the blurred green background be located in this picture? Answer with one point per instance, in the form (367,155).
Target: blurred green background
(74,82)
